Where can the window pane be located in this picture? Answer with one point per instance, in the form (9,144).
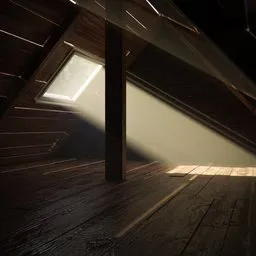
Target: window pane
(73,79)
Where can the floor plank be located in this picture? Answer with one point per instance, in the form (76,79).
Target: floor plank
(211,234)
(81,206)
(99,232)
(68,209)
(31,184)
(240,238)
(106,226)
(170,229)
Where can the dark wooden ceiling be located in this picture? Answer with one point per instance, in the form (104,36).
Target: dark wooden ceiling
(230,24)
(31,130)
(29,31)
(36,37)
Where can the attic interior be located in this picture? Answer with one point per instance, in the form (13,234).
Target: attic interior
(127,127)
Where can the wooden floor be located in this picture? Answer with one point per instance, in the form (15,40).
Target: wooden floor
(66,208)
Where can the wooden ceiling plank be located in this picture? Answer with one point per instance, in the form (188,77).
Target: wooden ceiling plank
(14,139)
(22,51)
(53,11)
(16,151)
(34,12)
(23,25)
(6,85)
(24,159)
(33,113)
(88,33)
(13,124)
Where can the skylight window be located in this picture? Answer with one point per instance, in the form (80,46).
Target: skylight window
(73,79)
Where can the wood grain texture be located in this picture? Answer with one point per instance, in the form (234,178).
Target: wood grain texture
(30,26)
(25,150)
(6,85)
(22,51)
(29,138)
(172,228)
(194,235)
(88,33)
(78,213)
(240,237)
(79,193)
(22,23)
(29,115)
(37,124)
(55,11)
(42,112)
(25,159)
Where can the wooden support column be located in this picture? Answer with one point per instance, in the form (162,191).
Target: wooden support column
(115,94)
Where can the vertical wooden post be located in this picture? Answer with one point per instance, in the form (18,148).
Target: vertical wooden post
(115,94)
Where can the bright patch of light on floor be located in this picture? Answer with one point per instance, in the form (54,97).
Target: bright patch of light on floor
(248,171)
(183,170)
